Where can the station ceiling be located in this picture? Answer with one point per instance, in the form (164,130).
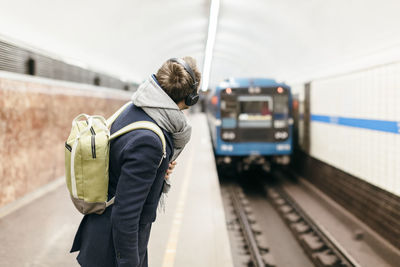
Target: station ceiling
(292,40)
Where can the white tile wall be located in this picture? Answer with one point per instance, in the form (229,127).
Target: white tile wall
(370,155)
(298,90)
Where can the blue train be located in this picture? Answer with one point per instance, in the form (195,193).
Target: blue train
(251,123)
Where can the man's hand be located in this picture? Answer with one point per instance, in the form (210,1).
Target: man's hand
(170,169)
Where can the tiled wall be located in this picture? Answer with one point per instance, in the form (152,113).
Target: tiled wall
(371,155)
(35,120)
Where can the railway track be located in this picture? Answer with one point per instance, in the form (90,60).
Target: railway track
(321,248)
(319,245)
(260,255)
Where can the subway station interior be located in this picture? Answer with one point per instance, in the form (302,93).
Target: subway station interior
(294,153)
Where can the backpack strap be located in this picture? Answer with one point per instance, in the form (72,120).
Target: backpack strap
(141,125)
(113,117)
(136,125)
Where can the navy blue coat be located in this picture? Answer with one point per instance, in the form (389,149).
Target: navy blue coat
(119,236)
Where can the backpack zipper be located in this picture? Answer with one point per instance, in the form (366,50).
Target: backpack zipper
(93,142)
(68,147)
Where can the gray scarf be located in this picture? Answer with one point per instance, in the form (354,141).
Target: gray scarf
(161,108)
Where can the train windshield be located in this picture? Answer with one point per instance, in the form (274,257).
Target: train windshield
(255,111)
(281,112)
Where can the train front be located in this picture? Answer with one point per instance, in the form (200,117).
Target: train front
(251,123)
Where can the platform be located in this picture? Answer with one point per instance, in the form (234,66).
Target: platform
(191,231)
(194,218)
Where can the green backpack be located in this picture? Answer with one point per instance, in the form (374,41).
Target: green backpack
(87,158)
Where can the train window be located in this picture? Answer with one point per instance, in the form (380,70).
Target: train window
(228,112)
(281,112)
(255,111)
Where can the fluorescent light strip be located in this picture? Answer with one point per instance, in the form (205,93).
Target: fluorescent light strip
(212,31)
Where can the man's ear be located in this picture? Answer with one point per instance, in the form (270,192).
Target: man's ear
(181,104)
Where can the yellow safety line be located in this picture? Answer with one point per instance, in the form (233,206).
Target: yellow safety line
(170,252)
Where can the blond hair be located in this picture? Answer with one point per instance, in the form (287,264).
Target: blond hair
(176,81)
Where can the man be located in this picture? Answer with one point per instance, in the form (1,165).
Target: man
(119,236)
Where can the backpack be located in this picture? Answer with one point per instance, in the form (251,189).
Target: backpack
(87,158)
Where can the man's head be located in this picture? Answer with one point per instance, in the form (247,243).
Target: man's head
(176,81)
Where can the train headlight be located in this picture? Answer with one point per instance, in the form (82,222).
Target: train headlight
(223,104)
(214,100)
(279,123)
(227,160)
(228,135)
(281,135)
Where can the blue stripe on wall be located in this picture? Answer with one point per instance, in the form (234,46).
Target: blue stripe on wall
(377,125)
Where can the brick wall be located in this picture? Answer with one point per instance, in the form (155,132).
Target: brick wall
(35,120)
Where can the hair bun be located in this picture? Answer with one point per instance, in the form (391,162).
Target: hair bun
(177,75)
(175,80)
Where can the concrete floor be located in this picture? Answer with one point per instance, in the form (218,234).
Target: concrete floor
(40,233)
(191,232)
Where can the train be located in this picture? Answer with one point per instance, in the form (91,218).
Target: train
(251,123)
